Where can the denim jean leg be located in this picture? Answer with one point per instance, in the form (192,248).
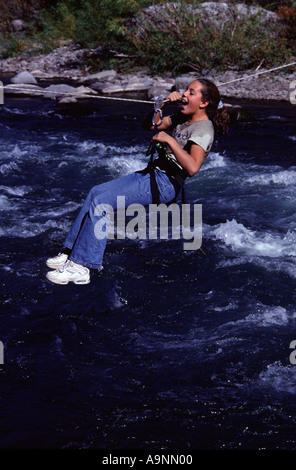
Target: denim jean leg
(76,226)
(88,249)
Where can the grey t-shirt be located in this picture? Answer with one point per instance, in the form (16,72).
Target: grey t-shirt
(199,132)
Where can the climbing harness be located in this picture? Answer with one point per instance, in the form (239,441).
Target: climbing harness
(153,146)
(163,162)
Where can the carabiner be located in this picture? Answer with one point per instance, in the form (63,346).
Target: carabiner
(157,109)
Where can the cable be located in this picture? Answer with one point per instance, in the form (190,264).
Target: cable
(256,74)
(70,93)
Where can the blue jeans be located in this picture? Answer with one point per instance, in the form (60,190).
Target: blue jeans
(86,248)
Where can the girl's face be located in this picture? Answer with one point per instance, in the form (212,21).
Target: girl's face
(192,99)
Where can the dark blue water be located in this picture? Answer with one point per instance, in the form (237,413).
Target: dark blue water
(166,348)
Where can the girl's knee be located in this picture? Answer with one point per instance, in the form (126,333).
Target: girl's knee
(96,194)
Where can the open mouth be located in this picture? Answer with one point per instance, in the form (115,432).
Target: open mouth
(184,102)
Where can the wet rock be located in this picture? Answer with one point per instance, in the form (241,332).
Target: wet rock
(105,75)
(68,100)
(183,81)
(110,88)
(159,89)
(24,77)
(224,11)
(63,91)
(66,61)
(137,84)
(123,84)
(99,86)
(17,25)
(56,91)
(25,89)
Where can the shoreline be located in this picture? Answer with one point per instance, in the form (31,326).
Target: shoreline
(58,67)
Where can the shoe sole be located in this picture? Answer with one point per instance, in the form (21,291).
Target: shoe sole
(63,283)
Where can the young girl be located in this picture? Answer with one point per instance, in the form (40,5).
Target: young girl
(186,149)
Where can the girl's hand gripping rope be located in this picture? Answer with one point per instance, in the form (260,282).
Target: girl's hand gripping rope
(159,122)
(160,137)
(159,105)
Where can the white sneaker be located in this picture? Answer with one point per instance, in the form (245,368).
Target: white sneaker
(57,262)
(70,272)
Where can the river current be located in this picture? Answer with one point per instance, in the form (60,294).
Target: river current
(165,348)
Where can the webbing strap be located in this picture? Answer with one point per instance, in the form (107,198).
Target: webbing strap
(153,184)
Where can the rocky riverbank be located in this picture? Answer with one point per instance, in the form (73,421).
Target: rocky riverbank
(66,64)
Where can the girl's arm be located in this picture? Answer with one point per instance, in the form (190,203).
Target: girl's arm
(192,161)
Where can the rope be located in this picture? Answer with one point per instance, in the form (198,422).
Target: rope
(86,95)
(256,74)
(70,93)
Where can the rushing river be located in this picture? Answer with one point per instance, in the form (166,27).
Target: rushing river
(165,348)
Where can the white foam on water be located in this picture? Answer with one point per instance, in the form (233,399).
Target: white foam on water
(27,229)
(286,267)
(118,159)
(279,265)
(6,268)
(28,112)
(66,151)
(8,168)
(17,152)
(230,306)
(98,148)
(127,164)
(4,203)
(263,316)
(279,377)
(292,137)
(214,160)
(66,208)
(15,111)
(16,190)
(63,164)
(37,220)
(12,157)
(276,177)
(240,239)
(89,145)
(271,316)
(121,160)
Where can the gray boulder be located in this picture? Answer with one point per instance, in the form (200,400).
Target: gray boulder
(63,91)
(24,77)
(57,91)
(17,25)
(170,15)
(104,75)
